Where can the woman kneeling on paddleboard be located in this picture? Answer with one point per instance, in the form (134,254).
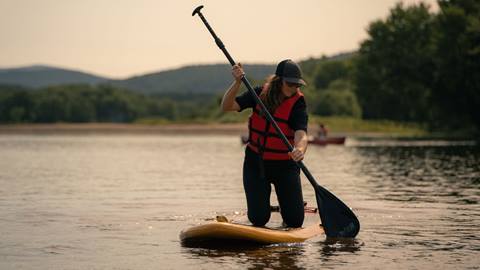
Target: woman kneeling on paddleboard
(267,159)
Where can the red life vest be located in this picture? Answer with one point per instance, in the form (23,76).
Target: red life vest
(262,136)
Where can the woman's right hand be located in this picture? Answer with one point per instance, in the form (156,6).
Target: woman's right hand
(237,72)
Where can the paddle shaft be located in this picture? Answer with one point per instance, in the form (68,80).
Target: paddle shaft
(255,96)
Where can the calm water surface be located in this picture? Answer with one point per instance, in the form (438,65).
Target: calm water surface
(119,202)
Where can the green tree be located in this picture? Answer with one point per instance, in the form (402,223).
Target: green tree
(331,102)
(457,78)
(15,105)
(329,71)
(50,108)
(394,69)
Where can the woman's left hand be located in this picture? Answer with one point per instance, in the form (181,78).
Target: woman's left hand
(297,154)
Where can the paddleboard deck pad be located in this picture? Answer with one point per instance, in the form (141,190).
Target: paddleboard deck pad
(225,232)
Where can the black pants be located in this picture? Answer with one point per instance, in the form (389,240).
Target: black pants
(258,175)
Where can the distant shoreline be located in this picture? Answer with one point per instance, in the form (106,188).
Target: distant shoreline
(236,129)
(229,129)
(116,128)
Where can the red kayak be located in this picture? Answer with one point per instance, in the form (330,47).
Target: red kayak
(328,140)
(313,140)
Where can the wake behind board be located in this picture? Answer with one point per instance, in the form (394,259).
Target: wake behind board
(225,232)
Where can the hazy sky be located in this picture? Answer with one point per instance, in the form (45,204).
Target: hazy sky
(121,38)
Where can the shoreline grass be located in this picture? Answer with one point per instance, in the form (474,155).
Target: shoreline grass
(237,124)
(336,125)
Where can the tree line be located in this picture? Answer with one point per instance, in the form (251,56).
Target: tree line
(79,103)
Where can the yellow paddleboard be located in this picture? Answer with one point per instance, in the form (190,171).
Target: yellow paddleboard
(224,231)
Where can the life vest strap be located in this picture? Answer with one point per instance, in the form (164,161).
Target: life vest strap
(270,134)
(266,149)
(255,110)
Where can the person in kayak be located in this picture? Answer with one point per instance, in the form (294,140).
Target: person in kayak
(322,131)
(267,159)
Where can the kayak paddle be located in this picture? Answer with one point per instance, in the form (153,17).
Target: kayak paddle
(338,220)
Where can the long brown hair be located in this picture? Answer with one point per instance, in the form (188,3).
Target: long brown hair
(272,96)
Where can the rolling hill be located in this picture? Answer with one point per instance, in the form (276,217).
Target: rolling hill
(42,76)
(204,79)
(184,81)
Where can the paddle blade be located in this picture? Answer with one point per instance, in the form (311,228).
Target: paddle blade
(337,219)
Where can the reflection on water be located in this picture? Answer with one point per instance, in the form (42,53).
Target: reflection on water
(119,202)
(279,256)
(272,257)
(423,174)
(331,247)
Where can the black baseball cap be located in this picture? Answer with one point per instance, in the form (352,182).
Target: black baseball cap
(290,72)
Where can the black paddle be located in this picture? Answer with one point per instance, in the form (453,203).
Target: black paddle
(337,219)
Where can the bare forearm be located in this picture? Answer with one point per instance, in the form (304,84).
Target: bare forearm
(228,100)
(301,140)
(300,145)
